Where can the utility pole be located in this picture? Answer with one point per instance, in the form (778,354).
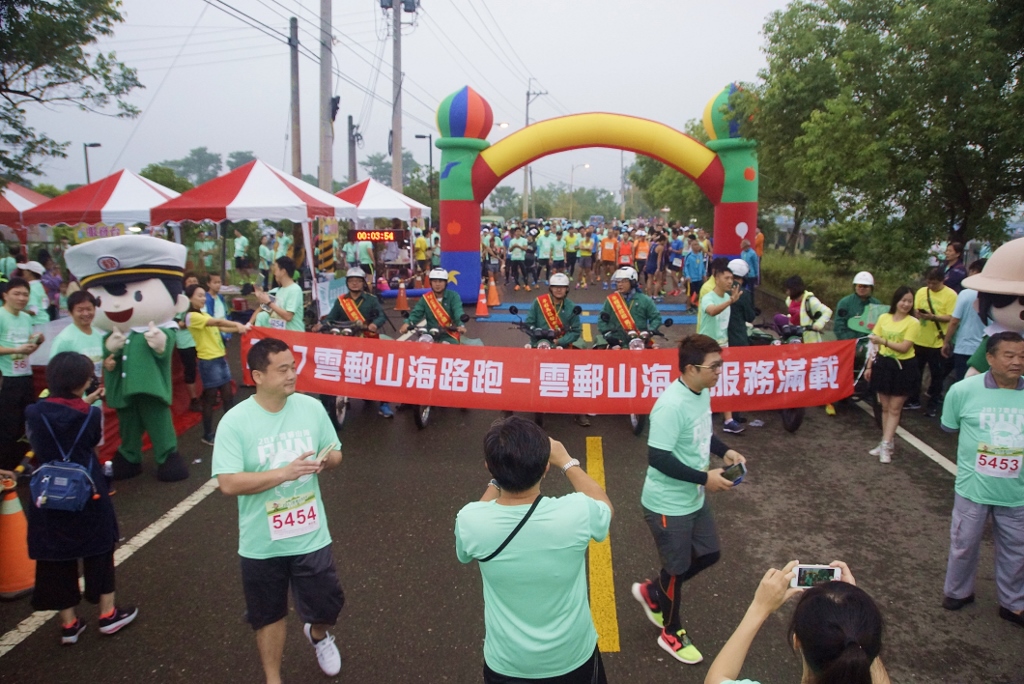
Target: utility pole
(293,44)
(533,204)
(530,97)
(396,109)
(326,170)
(353,138)
(622,174)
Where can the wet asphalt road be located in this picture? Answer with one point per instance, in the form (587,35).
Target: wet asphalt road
(414,613)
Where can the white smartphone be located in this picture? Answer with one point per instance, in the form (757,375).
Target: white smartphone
(812,575)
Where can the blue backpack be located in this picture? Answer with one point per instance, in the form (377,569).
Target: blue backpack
(63,485)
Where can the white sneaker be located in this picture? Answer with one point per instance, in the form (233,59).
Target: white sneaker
(877,451)
(885,456)
(326,652)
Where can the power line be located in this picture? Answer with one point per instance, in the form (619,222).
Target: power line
(487,28)
(501,32)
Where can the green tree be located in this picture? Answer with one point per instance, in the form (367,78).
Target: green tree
(506,202)
(47,189)
(198,167)
(419,189)
(378,167)
(166,177)
(239,158)
(893,120)
(46,58)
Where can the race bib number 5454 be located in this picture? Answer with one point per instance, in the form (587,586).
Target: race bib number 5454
(997,465)
(293,516)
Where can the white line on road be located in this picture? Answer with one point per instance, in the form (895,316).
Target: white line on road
(33,622)
(918,444)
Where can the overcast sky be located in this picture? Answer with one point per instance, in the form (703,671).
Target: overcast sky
(213,81)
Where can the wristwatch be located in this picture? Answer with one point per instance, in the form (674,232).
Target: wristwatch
(494,483)
(573,462)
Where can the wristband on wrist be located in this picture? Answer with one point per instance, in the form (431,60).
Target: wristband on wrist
(573,463)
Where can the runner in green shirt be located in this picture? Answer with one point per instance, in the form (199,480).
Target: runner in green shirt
(17,343)
(988,412)
(679,451)
(269,452)
(242,264)
(286,309)
(80,336)
(284,241)
(517,256)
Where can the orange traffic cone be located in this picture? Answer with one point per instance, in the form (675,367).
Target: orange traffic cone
(401,301)
(481,303)
(492,293)
(17,570)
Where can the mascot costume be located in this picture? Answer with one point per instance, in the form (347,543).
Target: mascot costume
(1000,287)
(137,282)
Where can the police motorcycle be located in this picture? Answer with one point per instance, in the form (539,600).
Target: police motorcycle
(421,333)
(635,340)
(337,407)
(761,334)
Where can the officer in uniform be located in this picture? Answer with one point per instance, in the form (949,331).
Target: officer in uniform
(359,305)
(555,311)
(137,282)
(440,308)
(627,309)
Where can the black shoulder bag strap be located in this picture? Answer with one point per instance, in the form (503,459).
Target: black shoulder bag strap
(928,294)
(515,531)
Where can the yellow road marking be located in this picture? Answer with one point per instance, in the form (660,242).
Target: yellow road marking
(602,586)
(587,335)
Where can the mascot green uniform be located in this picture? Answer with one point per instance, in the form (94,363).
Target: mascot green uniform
(137,282)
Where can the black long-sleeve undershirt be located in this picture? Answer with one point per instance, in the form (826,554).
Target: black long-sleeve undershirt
(665,462)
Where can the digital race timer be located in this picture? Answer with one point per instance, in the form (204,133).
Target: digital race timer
(379,235)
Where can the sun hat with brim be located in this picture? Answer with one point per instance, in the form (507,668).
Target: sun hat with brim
(1003,272)
(33,266)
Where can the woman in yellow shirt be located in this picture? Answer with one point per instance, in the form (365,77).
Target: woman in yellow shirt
(893,371)
(213,364)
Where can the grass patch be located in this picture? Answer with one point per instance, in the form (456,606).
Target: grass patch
(826,282)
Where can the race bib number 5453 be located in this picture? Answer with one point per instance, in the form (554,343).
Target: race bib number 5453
(293,516)
(995,465)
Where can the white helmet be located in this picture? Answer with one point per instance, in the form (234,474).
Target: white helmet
(559,280)
(627,273)
(438,274)
(864,278)
(355,272)
(739,268)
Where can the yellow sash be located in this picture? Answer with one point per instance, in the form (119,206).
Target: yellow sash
(550,315)
(348,305)
(622,312)
(440,314)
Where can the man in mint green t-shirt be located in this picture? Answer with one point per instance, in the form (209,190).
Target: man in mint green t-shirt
(17,343)
(80,336)
(988,412)
(679,452)
(536,611)
(269,452)
(713,321)
(286,310)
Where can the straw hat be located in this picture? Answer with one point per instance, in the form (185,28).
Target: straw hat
(1003,272)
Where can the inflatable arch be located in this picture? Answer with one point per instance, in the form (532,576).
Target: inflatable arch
(725,169)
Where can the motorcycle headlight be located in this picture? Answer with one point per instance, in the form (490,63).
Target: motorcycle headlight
(636,344)
(544,344)
(776,343)
(426,338)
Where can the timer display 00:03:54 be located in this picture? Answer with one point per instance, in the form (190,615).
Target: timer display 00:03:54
(375,235)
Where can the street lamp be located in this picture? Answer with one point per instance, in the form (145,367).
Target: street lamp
(574,167)
(429,137)
(85,151)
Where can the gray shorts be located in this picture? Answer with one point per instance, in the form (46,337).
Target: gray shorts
(314,584)
(681,538)
(586,262)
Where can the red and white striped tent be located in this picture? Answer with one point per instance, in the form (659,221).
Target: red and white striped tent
(15,199)
(122,197)
(254,191)
(376,200)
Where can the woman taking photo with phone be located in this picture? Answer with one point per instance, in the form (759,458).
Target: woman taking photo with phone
(836,629)
(893,372)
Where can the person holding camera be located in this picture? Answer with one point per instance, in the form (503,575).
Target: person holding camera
(65,423)
(532,554)
(836,629)
(679,451)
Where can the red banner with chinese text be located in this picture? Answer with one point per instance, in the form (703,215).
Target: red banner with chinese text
(758,378)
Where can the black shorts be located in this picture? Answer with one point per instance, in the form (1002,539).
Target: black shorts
(315,588)
(895,378)
(57,581)
(681,538)
(557,263)
(189,361)
(590,672)
(241,262)
(674,268)
(641,265)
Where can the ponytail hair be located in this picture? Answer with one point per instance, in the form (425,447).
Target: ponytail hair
(840,632)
